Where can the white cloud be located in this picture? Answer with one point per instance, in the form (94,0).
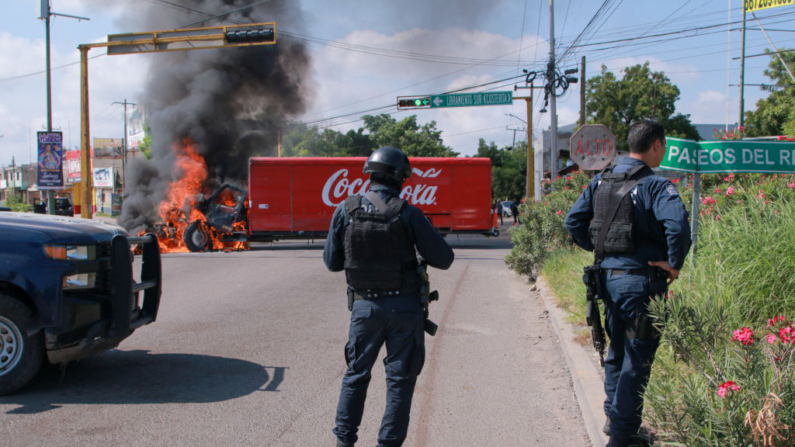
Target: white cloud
(351,81)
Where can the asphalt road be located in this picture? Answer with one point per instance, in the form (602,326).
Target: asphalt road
(248,351)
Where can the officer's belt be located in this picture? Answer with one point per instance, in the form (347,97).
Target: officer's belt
(650,271)
(376,294)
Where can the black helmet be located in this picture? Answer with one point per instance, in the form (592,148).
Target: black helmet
(390,162)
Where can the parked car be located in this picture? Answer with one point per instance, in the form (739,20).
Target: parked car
(67,291)
(506,208)
(3,207)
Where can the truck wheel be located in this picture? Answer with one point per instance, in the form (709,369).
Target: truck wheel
(196,237)
(495,232)
(21,353)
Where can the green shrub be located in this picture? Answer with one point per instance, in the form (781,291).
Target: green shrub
(543,230)
(745,274)
(16,204)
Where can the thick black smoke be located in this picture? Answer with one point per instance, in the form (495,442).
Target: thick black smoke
(231,102)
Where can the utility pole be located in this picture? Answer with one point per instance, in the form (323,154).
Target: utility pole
(742,75)
(582,92)
(553,171)
(530,187)
(46,13)
(124,148)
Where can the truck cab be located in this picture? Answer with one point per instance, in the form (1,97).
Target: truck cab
(67,291)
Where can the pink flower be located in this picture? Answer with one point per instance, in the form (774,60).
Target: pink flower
(546,203)
(725,386)
(787,335)
(560,212)
(717,217)
(725,179)
(766,202)
(781,137)
(708,200)
(771,338)
(729,190)
(739,201)
(761,194)
(584,186)
(744,336)
(731,176)
(791,185)
(568,177)
(717,190)
(675,181)
(773,321)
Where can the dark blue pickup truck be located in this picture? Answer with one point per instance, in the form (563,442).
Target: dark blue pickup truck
(67,291)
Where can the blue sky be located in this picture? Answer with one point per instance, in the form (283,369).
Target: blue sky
(345,82)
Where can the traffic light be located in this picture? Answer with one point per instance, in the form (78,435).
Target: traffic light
(251,35)
(414,102)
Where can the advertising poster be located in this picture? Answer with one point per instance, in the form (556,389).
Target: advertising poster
(103,177)
(108,147)
(135,128)
(50,160)
(72,163)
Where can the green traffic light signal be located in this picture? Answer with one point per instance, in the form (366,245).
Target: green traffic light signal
(417,102)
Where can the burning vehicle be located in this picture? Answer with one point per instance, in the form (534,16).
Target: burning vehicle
(295,198)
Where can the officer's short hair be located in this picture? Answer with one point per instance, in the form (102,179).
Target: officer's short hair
(643,134)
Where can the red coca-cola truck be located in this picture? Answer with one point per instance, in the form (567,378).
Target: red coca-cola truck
(295,197)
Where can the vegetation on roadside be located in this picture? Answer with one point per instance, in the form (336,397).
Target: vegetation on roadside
(16,204)
(725,371)
(543,230)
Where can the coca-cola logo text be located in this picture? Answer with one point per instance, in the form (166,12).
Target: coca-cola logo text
(338,187)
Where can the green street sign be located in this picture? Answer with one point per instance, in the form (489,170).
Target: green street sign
(719,156)
(472,99)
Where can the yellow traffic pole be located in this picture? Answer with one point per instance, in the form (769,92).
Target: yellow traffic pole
(531,190)
(85,168)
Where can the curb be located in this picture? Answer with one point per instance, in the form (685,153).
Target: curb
(587,379)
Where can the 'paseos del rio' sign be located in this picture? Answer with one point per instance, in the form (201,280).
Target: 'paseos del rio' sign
(719,156)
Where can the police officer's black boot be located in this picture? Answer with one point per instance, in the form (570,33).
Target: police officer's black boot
(628,441)
(340,444)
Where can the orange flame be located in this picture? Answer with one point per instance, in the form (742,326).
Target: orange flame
(178,209)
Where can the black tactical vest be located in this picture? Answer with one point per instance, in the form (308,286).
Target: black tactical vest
(378,252)
(614,191)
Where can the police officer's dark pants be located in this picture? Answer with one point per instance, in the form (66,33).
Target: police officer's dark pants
(629,358)
(373,324)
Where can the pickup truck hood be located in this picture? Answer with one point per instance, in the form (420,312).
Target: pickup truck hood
(61,229)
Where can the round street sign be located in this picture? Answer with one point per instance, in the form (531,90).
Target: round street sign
(593,147)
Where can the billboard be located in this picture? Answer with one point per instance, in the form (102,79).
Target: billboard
(50,160)
(103,177)
(135,128)
(72,165)
(108,147)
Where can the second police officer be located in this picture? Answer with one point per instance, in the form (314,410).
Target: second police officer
(375,239)
(640,256)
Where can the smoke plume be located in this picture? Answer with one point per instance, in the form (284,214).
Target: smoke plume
(230,102)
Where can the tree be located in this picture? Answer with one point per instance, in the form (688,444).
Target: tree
(508,169)
(640,94)
(146,144)
(414,140)
(775,115)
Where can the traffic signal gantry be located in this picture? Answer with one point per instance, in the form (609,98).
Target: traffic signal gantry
(156,42)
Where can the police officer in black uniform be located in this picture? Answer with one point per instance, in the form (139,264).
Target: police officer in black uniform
(640,256)
(375,239)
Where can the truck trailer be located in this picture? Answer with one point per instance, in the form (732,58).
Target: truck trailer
(295,198)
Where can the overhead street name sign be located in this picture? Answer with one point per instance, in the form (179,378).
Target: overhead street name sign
(712,157)
(757,5)
(455,100)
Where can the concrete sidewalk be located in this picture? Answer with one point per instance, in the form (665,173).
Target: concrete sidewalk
(583,364)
